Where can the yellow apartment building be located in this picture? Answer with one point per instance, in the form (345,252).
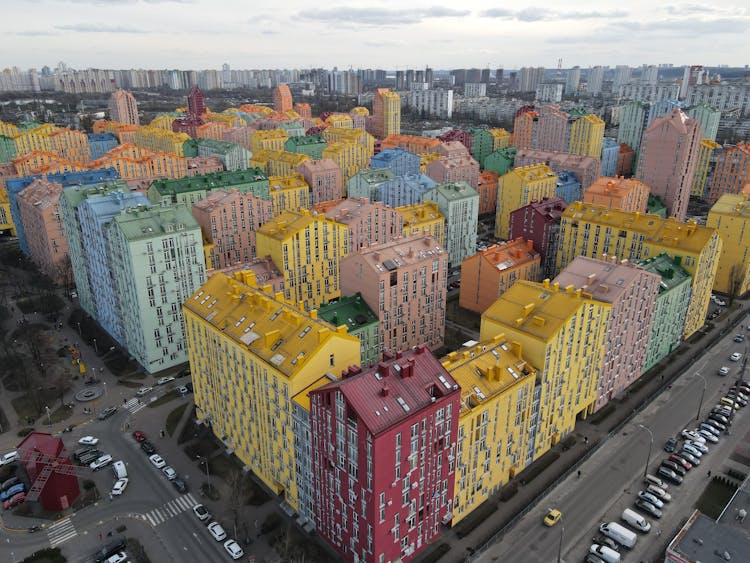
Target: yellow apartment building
(356,136)
(6,220)
(277,163)
(289,193)
(519,187)
(587,136)
(350,157)
(250,353)
(500,138)
(730,216)
(162,140)
(423,218)
(706,150)
(271,140)
(340,120)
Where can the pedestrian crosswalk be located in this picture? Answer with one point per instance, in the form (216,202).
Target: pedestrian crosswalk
(170,509)
(60,532)
(134,405)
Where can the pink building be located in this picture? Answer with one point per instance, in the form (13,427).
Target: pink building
(487,188)
(369,223)
(324,178)
(460,136)
(404,283)
(452,149)
(39,207)
(229,219)
(586,169)
(383,443)
(447,169)
(303,110)
(618,193)
(199,165)
(282,98)
(551,132)
(123,107)
(667,159)
(632,292)
(238,135)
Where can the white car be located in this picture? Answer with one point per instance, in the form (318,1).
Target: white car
(163,380)
(118,557)
(100,462)
(233,549)
(143,391)
(217,531)
(119,486)
(169,472)
(659,493)
(703,448)
(10,457)
(157,460)
(201,512)
(88,441)
(735,357)
(723,370)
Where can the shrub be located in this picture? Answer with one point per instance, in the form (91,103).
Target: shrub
(25,431)
(88,484)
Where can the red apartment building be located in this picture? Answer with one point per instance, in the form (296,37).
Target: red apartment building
(539,222)
(383,449)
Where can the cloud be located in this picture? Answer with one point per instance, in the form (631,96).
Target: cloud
(119,2)
(686,27)
(98,28)
(380,16)
(384,43)
(34,32)
(539,14)
(695,9)
(269,32)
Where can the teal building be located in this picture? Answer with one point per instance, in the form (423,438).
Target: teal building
(311,145)
(459,204)
(501,161)
(192,189)
(362,322)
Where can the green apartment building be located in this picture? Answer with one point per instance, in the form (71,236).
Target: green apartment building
(501,161)
(459,204)
(7,149)
(157,262)
(232,156)
(671,307)
(192,189)
(311,145)
(355,313)
(655,206)
(482,143)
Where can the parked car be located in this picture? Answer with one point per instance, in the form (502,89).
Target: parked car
(201,512)
(169,472)
(157,461)
(652,498)
(182,390)
(676,467)
(9,457)
(736,398)
(735,357)
(8,483)
(139,436)
(180,485)
(119,486)
(591,558)
(710,428)
(143,391)
(148,447)
(164,380)
(688,454)
(106,413)
(710,437)
(118,557)
(681,461)
(723,370)
(668,475)
(88,441)
(184,373)
(604,540)
(605,553)
(648,508)
(670,445)
(109,550)
(15,500)
(217,531)
(12,491)
(103,461)
(659,493)
(739,337)
(189,386)
(692,435)
(703,448)
(233,549)
(653,480)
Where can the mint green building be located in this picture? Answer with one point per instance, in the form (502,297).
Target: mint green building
(292,128)
(366,183)
(708,117)
(361,321)
(482,143)
(190,148)
(311,145)
(7,149)
(459,204)
(656,206)
(192,189)
(501,161)
(232,156)
(157,262)
(671,307)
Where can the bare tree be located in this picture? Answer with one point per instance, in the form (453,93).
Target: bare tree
(736,279)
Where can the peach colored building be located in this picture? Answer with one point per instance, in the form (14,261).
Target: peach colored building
(485,276)
(731,172)
(282,98)
(369,224)
(304,110)
(523,129)
(625,160)
(325,179)
(618,193)
(551,132)
(239,135)
(123,107)
(586,169)
(404,283)
(198,165)
(452,149)
(631,291)
(451,169)
(487,188)
(411,143)
(39,207)
(229,219)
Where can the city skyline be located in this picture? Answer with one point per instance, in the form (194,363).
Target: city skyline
(203,34)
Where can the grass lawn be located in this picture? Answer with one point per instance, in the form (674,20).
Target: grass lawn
(164,399)
(49,555)
(60,414)
(26,406)
(173,418)
(715,497)
(222,466)
(40,304)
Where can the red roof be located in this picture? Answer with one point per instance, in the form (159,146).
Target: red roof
(394,390)
(46,444)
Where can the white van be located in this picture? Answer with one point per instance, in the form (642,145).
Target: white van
(606,553)
(636,520)
(619,533)
(119,468)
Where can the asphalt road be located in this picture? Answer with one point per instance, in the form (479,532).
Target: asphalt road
(612,477)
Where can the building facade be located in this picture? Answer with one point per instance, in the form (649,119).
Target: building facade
(539,222)
(361,322)
(324,178)
(520,187)
(458,203)
(730,216)
(618,193)
(123,108)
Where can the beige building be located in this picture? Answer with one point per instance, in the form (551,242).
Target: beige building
(123,108)
(618,193)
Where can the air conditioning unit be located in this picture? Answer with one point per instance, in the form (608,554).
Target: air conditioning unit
(414,485)
(390,502)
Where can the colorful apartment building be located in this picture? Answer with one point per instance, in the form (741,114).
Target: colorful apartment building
(551,130)
(308,249)
(524,127)
(423,219)
(501,160)
(265,352)
(277,163)
(158,139)
(568,188)
(228,220)
(369,223)
(404,283)
(324,178)
(367,183)
(586,169)
(282,98)
(618,193)
(386,113)
(39,208)
(270,140)
(708,117)
(500,139)
(594,230)
(497,391)
(404,190)
(708,155)
(671,307)
(288,193)
(487,190)
(610,156)
(7,149)
(667,159)
(520,187)
(70,145)
(731,173)
(234,157)
(631,293)
(482,143)
(348,135)
(340,120)
(191,190)
(100,143)
(157,262)
(625,161)
(730,216)
(350,158)
(586,135)
(361,322)
(458,202)
(382,440)
(310,145)
(399,161)
(562,334)
(486,275)
(411,143)
(539,222)
(6,218)
(460,168)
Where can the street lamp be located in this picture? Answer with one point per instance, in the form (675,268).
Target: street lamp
(559,549)
(703,392)
(95,348)
(49,418)
(105,388)
(204,459)
(650,445)
(79,327)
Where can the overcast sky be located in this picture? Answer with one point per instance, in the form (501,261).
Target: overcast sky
(390,34)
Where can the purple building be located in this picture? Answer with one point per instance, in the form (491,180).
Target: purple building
(539,222)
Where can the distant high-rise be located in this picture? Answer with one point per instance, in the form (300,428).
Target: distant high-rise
(123,107)
(429,76)
(499,75)
(649,74)
(572,80)
(196,102)
(386,113)
(594,81)
(530,77)
(282,98)
(668,156)
(693,75)
(622,76)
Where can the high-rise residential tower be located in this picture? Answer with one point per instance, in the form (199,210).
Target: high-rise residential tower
(123,108)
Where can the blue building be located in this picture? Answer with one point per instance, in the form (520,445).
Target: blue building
(399,161)
(610,154)
(568,188)
(99,143)
(405,190)
(14,186)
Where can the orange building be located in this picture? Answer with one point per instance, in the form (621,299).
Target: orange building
(523,129)
(625,160)
(487,188)
(618,193)
(304,110)
(731,173)
(411,143)
(485,276)
(27,164)
(282,98)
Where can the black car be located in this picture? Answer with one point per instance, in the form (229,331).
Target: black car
(648,508)
(109,550)
(9,483)
(180,485)
(189,386)
(670,445)
(106,413)
(184,373)
(669,475)
(676,467)
(148,447)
